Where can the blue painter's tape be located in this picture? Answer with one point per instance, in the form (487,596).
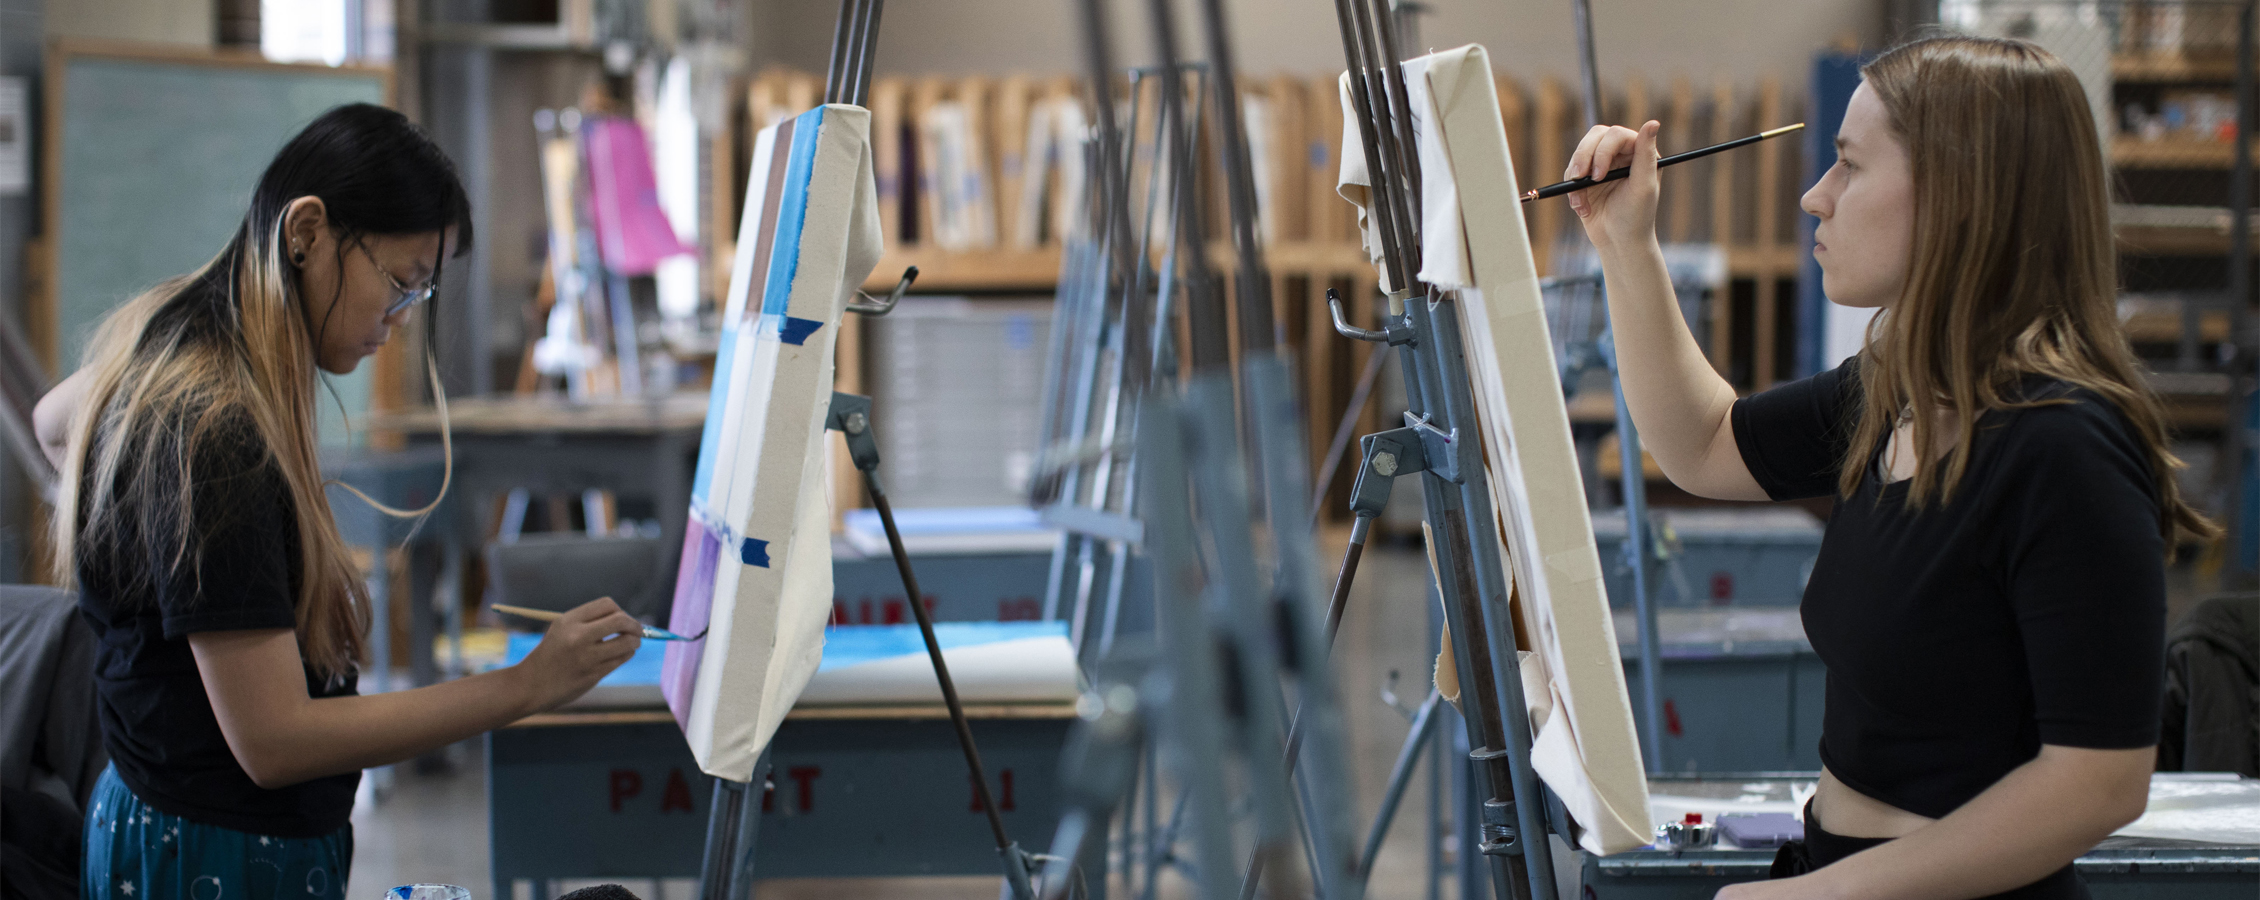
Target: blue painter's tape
(754,552)
(796,331)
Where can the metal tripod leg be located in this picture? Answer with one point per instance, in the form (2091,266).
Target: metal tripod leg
(733,822)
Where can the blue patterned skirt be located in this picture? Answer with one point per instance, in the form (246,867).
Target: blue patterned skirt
(135,852)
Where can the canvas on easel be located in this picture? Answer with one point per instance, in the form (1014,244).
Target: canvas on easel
(756,571)
(1475,243)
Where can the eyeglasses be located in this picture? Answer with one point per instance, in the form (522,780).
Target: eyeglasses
(403,295)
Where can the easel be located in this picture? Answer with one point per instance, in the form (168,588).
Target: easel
(734,818)
(1457,496)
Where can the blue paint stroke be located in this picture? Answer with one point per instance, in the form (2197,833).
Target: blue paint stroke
(792,212)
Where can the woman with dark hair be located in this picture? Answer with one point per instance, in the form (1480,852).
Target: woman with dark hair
(1990,593)
(193,521)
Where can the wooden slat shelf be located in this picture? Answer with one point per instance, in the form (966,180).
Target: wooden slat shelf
(2165,327)
(968,270)
(2131,153)
(2168,68)
(2166,240)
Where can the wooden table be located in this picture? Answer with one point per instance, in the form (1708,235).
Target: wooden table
(636,448)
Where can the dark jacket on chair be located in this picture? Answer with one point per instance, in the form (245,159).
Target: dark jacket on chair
(2212,710)
(53,747)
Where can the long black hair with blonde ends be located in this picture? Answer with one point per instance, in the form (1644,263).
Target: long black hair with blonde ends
(235,342)
(2014,272)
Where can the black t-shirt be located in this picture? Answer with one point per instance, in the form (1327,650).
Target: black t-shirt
(1960,637)
(241,571)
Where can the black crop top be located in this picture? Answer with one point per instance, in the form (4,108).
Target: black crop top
(241,573)
(1959,638)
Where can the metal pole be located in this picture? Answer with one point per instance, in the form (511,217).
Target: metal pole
(1476,528)
(867,58)
(1361,99)
(1400,778)
(835,71)
(1259,331)
(1633,473)
(1587,65)
(2242,332)
(1636,545)
(1210,331)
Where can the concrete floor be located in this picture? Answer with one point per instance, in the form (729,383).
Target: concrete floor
(432,827)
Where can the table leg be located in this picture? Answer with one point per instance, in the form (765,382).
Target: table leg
(451,588)
(671,502)
(380,629)
(421,581)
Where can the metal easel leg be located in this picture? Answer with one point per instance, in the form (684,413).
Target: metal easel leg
(851,416)
(733,824)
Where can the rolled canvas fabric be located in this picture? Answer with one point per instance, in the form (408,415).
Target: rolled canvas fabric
(1474,242)
(756,571)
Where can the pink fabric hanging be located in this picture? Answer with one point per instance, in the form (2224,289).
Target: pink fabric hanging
(632,232)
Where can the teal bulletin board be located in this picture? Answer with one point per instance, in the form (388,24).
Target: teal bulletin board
(151,155)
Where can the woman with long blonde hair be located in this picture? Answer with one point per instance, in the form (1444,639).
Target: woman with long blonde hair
(1990,594)
(193,521)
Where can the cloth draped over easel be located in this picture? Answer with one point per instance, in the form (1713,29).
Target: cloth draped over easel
(756,571)
(1475,243)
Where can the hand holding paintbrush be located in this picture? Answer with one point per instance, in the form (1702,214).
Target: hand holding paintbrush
(1617,154)
(1619,172)
(652,632)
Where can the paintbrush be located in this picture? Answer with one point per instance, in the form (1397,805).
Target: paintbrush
(1578,184)
(650,631)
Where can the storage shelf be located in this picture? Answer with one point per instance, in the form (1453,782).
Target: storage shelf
(2150,240)
(2133,68)
(967,270)
(2131,153)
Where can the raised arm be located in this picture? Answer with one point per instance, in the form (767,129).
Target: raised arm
(281,735)
(51,419)
(1679,403)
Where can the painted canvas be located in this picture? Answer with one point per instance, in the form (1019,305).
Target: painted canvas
(756,569)
(1475,243)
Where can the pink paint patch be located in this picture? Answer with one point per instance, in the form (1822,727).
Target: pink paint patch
(694,601)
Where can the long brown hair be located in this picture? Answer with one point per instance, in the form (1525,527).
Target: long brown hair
(182,365)
(2014,271)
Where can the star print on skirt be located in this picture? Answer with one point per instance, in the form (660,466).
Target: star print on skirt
(135,852)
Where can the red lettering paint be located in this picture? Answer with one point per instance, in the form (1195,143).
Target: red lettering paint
(893,611)
(1004,792)
(625,784)
(865,605)
(678,793)
(805,777)
(1671,719)
(1019,609)
(1722,587)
